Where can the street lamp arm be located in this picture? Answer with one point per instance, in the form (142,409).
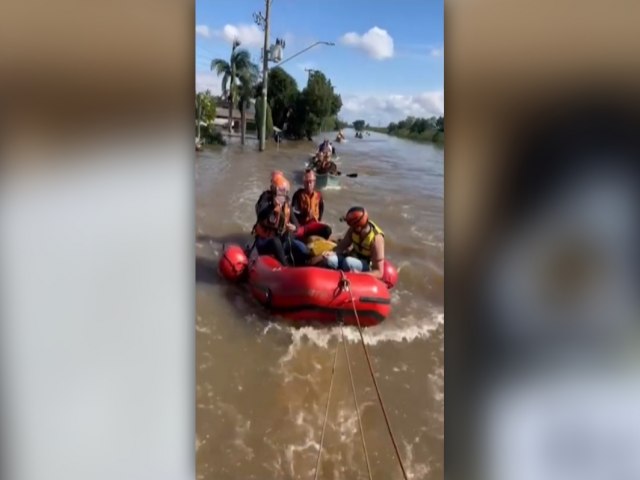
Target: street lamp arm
(331,44)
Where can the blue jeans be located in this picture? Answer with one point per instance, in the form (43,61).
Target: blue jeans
(346,263)
(283,248)
(299,250)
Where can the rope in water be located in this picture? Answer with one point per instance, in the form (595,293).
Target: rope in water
(355,400)
(326,411)
(345,286)
(373,377)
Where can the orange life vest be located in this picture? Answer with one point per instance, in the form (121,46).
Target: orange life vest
(275,224)
(310,206)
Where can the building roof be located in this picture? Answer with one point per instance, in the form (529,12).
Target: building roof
(222,112)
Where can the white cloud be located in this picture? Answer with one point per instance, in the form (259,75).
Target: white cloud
(249,35)
(376,43)
(203,31)
(208,81)
(383,109)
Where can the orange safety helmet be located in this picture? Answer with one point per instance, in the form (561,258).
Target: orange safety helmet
(280,185)
(275,174)
(356,217)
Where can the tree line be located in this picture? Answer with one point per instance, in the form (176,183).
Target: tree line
(414,128)
(417,125)
(302,113)
(298,113)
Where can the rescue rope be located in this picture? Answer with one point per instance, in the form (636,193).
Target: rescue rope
(326,411)
(355,401)
(346,286)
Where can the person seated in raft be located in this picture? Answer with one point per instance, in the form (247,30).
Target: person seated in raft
(318,160)
(275,226)
(266,196)
(308,208)
(327,166)
(327,147)
(366,242)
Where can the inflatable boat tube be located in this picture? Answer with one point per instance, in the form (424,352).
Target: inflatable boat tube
(315,294)
(312,294)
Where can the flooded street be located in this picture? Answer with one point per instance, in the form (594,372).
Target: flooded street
(262,386)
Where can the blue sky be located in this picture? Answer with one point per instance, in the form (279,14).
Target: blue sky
(387,62)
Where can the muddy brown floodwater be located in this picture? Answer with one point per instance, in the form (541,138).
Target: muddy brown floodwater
(262,385)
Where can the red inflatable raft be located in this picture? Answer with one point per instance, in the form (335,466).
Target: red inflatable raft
(311,294)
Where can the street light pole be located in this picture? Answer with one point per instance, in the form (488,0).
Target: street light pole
(331,44)
(265,76)
(264,21)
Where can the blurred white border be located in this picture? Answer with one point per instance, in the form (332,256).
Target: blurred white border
(97,300)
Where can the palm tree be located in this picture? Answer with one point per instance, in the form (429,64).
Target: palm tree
(246,94)
(233,71)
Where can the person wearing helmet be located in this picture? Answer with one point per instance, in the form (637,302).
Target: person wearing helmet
(275,226)
(322,161)
(327,148)
(265,197)
(308,206)
(366,243)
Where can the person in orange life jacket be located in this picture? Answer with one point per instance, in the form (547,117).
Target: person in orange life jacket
(366,240)
(308,207)
(275,225)
(266,196)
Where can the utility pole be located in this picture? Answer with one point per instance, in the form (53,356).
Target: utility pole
(265,75)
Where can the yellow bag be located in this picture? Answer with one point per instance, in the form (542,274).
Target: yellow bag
(319,245)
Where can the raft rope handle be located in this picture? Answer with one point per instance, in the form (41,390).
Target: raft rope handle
(326,412)
(293,260)
(355,401)
(346,285)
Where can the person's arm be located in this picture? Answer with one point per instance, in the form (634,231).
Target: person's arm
(261,203)
(295,206)
(265,212)
(321,207)
(377,258)
(344,243)
(293,219)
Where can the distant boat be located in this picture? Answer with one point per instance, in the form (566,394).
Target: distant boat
(324,180)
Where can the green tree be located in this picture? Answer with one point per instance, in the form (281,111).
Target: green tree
(282,94)
(205,109)
(359,125)
(316,102)
(440,124)
(233,71)
(419,126)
